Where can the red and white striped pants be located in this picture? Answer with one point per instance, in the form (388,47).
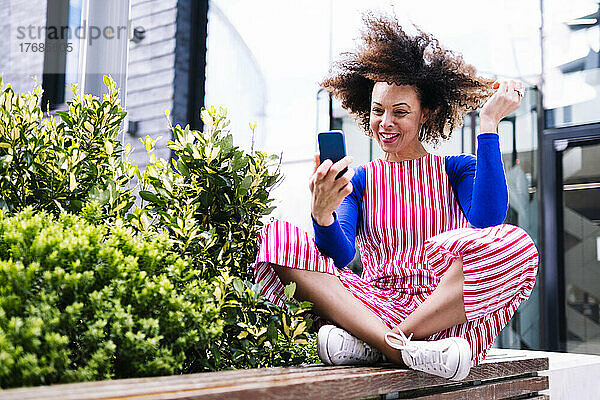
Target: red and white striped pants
(499,263)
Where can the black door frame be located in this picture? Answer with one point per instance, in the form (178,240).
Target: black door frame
(552,289)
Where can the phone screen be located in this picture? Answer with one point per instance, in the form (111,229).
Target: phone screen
(332,147)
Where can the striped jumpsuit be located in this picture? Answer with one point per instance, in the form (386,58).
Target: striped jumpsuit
(410,231)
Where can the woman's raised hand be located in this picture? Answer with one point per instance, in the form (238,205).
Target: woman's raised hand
(507,99)
(328,192)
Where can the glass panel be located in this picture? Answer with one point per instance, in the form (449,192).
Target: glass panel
(466,140)
(518,144)
(572,63)
(581,201)
(578,91)
(234,79)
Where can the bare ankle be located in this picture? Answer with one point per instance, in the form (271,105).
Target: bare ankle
(395,357)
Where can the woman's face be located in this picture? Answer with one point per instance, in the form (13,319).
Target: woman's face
(396,118)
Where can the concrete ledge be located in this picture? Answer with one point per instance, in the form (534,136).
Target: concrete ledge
(571,376)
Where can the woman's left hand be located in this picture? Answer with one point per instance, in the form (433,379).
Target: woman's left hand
(506,100)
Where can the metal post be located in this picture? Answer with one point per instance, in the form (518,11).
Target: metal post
(513,121)
(330,111)
(546,198)
(330,60)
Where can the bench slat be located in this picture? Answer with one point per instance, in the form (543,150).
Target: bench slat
(308,382)
(494,390)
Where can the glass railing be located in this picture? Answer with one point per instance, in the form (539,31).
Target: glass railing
(572,99)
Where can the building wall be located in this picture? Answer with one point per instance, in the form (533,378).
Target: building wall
(20,69)
(152,65)
(151,74)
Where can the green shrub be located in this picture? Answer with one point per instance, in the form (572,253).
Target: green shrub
(93,288)
(256,333)
(82,302)
(79,302)
(210,201)
(212,198)
(58,165)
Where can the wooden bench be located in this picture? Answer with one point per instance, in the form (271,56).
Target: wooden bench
(494,379)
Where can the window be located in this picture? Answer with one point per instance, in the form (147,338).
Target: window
(61,54)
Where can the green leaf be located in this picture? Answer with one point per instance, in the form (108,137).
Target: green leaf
(182,168)
(300,329)
(238,286)
(72,181)
(109,147)
(65,117)
(289,290)
(268,210)
(286,327)
(245,185)
(166,181)
(149,196)
(227,143)
(148,143)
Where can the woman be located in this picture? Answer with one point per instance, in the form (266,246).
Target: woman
(438,266)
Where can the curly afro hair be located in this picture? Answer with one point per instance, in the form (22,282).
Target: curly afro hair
(447,86)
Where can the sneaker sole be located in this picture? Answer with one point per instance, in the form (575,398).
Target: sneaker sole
(322,338)
(464,359)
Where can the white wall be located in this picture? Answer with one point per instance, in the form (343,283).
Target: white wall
(234,79)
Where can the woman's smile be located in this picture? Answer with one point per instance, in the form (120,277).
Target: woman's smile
(387,137)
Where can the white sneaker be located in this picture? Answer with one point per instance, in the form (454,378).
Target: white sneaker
(449,358)
(335,346)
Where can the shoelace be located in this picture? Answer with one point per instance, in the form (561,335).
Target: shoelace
(422,358)
(351,347)
(429,360)
(405,341)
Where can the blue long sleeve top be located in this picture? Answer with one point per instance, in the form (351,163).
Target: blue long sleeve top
(478,184)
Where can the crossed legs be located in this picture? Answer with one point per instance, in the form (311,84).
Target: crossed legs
(443,309)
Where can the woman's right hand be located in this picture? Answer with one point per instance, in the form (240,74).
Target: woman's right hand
(328,192)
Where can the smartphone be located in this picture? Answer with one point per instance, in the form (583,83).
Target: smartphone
(332,146)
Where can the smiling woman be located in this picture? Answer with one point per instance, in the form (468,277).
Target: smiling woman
(439,265)
(396,120)
(445,85)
